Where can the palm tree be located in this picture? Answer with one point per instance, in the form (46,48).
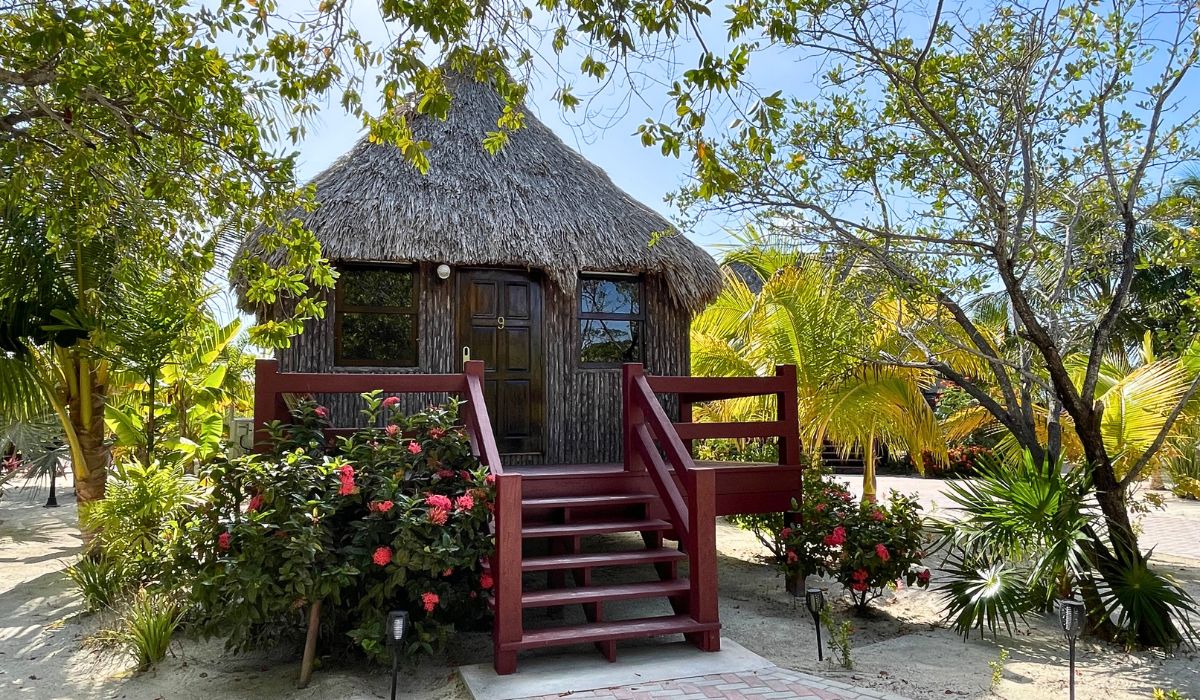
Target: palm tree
(778,307)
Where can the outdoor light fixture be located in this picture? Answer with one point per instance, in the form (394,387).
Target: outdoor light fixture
(397,627)
(1070,614)
(443,271)
(814,598)
(52,500)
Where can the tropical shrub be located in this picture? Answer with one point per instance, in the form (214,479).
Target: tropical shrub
(864,546)
(393,518)
(146,627)
(961,461)
(1184,470)
(1024,536)
(99,581)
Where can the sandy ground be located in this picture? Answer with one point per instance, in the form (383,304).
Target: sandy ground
(45,652)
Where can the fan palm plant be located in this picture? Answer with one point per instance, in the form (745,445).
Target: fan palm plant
(782,307)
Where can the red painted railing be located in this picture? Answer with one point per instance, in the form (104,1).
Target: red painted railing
(689,492)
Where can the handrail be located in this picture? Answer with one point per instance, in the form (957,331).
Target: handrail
(479,424)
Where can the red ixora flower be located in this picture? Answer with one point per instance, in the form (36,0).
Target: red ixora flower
(837,537)
(438,501)
(785,533)
(445,474)
(436,433)
(448,572)
(414,448)
(491,478)
(382,556)
(438,516)
(860,587)
(391,401)
(791,556)
(346,474)
(882,552)
(430,601)
(464,502)
(859,575)
(877,515)
(923,577)
(392,430)
(486,582)
(380,506)
(255,503)
(321,412)
(223,541)
(820,507)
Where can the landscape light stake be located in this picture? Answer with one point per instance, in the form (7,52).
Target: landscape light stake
(397,626)
(52,501)
(814,598)
(1070,614)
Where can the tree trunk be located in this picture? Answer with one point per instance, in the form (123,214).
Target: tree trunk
(88,422)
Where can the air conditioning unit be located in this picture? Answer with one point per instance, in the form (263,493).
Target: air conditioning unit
(241,437)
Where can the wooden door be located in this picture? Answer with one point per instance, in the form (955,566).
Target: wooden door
(500,320)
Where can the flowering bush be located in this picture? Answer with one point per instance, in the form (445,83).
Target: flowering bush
(393,518)
(864,546)
(962,460)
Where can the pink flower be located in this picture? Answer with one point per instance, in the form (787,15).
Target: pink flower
(438,516)
(430,601)
(436,433)
(224,540)
(820,507)
(438,501)
(391,401)
(448,572)
(346,471)
(464,474)
(860,587)
(464,502)
(785,533)
(255,503)
(837,537)
(846,496)
(414,448)
(882,552)
(321,412)
(877,515)
(491,478)
(923,577)
(445,474)
(791,556)
(380,506)
(486,582)
(382,556)
(859,575)
(346,474)
(392,430)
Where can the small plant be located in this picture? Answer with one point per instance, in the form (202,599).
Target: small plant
(997,667)
(146,627)
(99,581)
(839,637)
(1160,694)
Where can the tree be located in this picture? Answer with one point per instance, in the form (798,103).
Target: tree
(781,307)
(1018,150)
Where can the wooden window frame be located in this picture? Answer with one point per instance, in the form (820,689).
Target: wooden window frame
(413,310)
(581,316)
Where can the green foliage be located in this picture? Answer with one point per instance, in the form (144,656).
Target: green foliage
(140,513)
(1184,469)
(146,627)
(997,667)
(1024,537)
(1160,694)
(839,637)
(99,580)
(864,546)
(390,518)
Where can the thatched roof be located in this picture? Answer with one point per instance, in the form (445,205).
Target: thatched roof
(537,204)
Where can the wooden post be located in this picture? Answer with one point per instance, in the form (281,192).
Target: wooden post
(268,401)
(685,416)
(310,644)
(506,568)
(788,411)
(631,415)
(702,555)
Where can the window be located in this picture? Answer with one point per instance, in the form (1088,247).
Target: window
(611,320)
(375,317)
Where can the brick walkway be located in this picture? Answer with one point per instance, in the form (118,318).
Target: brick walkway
(771,682)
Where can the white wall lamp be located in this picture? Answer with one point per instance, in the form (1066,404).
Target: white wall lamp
(443,271)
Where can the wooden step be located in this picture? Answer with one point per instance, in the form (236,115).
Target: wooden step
(616,499)
(596,528)
(597,559)
(610,631)
(602,594)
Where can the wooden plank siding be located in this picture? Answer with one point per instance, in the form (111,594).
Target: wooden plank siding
(582,404)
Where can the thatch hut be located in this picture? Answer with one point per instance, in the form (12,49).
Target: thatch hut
(531,260)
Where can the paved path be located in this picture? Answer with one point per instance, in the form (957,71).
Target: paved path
(1170,531)
(771,682)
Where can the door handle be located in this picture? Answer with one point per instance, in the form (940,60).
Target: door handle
(500,322)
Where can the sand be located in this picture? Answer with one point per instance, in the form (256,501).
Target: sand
(46,649)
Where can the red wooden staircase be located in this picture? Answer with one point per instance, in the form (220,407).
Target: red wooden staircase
(566,510)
